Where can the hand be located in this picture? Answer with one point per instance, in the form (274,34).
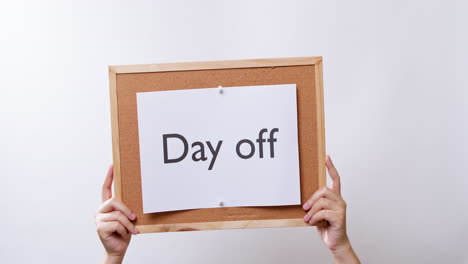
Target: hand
(113,223)
(327,206)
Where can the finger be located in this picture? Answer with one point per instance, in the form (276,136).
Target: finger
(324,215)
(114,205)
(120,229)
(321,204)
(321,224)
(324,192)
(107,229)
(335,177)
(107,186)
(118,216)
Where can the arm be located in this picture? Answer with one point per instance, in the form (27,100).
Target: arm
(113,223)
(327,205)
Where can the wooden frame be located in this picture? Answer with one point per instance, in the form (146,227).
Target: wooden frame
(119,122)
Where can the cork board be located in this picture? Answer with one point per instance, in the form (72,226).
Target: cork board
(126,81)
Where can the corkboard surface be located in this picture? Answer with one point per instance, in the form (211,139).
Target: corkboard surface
(128,84)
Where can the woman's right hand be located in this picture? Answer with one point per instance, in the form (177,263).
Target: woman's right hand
(113,223)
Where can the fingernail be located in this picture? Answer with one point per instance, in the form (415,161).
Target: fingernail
(132,216)
(306,218)
(135,231)
(305,206)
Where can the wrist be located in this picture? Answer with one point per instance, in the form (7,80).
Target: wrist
(110,259)
(344,253)
(341,248)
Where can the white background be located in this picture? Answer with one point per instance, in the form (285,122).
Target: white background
(395,76)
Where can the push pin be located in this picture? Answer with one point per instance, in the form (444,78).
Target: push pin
(220,90)
(221,203)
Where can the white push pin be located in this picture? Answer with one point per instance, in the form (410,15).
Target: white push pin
(220,90)
(221,203)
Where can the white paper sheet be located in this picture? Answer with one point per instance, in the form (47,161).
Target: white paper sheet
(207,115)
